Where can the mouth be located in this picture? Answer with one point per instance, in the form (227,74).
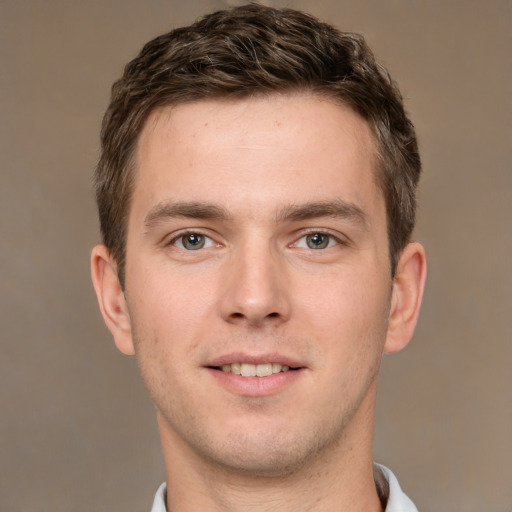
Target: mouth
(254,370)
(256,375)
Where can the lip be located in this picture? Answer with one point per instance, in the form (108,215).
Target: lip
(243,357)
(255,386)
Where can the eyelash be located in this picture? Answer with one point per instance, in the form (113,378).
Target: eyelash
(330,239)
(182,236)
(209,242)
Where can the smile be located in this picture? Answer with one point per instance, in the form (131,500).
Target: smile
(258,375)
(254,370)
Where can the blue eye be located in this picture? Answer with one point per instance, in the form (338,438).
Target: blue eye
(317,241)
(193,242)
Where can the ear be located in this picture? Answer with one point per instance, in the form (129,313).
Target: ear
(111,298)
(408,286)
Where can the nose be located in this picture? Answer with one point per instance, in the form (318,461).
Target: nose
(255,290)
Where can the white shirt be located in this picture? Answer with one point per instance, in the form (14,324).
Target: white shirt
(387,486)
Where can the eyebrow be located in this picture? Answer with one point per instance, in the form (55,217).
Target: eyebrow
(336,209)
(293,213)
(191,210)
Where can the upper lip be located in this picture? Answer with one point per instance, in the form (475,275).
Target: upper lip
(243,357)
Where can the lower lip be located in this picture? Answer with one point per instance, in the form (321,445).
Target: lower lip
(256,386)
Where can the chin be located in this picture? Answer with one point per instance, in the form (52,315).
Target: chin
(268,456)
(272,464)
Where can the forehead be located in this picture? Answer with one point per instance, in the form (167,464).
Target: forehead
(287,145)
(271,112)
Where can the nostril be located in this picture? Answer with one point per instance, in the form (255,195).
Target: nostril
(273,315)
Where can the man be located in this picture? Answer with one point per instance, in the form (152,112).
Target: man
(256,192)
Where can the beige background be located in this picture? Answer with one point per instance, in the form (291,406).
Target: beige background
(77,431)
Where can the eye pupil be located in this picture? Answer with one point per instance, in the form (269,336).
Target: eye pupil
(193,241)
(317,241)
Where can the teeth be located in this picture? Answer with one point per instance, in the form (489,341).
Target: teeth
(248,370)
(253,370)
(264,370)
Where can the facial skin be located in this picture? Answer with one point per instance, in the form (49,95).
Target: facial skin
(257,184)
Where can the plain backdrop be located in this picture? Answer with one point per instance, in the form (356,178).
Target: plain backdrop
(77,430)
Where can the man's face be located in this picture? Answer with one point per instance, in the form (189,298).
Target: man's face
(257,237)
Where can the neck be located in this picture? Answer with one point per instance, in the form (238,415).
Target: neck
(340,478)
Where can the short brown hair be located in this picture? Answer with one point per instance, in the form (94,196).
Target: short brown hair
(242,52)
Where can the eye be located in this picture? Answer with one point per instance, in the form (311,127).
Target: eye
(317,241)
(193,242)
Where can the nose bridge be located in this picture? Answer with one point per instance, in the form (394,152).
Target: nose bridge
(255,289)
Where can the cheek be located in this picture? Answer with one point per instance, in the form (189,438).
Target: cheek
(160,351)
(170,317)
(349,299)
(348,314)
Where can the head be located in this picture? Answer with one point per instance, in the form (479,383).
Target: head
(248,52)
(256,195)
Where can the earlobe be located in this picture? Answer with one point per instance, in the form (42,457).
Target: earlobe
(408,286)
(111,298)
